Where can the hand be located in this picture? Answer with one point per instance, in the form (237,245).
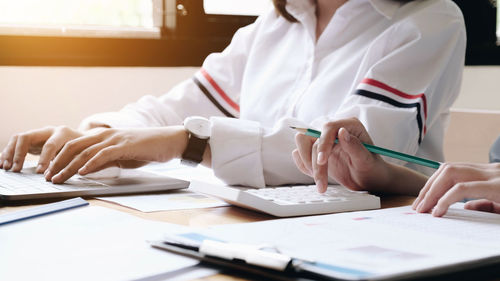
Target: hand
(454,182)
(46,142)
(348,162)
(125,148)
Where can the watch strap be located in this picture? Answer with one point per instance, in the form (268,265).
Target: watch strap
(193,154)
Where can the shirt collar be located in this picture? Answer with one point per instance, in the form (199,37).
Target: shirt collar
(301,8)
(387,8)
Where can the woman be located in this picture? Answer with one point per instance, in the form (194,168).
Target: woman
(363,170)
(395,65)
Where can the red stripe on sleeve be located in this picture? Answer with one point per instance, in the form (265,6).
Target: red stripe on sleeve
(219,90)
(397,92)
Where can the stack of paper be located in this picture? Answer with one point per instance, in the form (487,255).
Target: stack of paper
(87,243)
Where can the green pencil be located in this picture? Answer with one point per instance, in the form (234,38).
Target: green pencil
(380,150)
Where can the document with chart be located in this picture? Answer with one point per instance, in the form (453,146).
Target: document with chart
(376,245)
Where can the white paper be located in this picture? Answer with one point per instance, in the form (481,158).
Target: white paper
(178,200)
(86,243)
(172,200)
(176,170)
(377,244)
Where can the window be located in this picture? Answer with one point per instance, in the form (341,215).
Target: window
(108,18)
(119,32)
(88,18)
(232,7)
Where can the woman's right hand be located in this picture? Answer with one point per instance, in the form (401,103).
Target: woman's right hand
(348,162)
(47,142)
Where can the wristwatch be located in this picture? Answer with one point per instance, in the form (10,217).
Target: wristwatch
(199,129)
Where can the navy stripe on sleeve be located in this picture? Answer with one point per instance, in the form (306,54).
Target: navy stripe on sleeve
(211,98)
(395,103)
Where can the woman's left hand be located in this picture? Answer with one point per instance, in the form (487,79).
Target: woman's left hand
(125,148)
(457,181)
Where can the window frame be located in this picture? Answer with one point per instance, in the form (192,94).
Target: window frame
(183,36)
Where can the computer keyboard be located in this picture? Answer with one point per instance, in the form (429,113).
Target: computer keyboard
(32,183)
(289,201)
(28,185)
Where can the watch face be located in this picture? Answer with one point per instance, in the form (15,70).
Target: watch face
(198,126)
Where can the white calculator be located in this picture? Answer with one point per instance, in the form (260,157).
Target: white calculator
(290,201)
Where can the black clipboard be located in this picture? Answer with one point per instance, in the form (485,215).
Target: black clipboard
(289,268)
(293,270)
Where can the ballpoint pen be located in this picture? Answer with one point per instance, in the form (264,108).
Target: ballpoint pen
(379,150)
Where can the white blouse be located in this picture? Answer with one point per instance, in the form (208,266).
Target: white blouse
(395,66)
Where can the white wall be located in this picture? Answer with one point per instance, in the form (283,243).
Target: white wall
(480,88)
(32,97)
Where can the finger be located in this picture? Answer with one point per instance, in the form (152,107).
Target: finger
(482,205)
(49,150)
(8,153)
(104,158)
(327,141)
(22,146)
(354,147)
(450,197)
(450,175)
(69,151)
(29,142)
(474,189)
(445,168)
(444,181)
(320,172)
(304,146)
(299,163)
(78,162)
(427,186)
(3,156)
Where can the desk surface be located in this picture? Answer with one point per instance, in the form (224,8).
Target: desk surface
(209,216)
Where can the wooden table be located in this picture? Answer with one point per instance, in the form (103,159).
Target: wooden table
(207,217)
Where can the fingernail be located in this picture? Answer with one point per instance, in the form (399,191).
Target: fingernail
(55,178)
(347,136)
(82,170)
(39,169)
(419,207)
(319,187)
(321,158)
(437,212)
(6,164)
(48,175)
